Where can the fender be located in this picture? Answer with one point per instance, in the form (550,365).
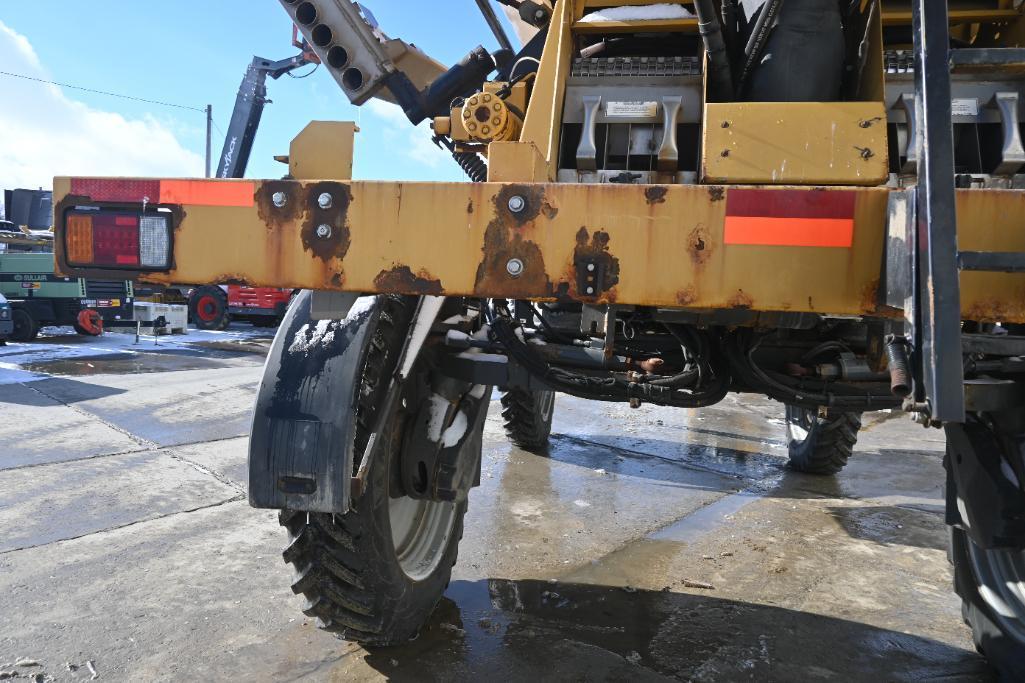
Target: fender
(301,447)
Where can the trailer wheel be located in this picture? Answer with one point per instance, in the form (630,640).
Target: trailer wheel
(991,583)
(208,307)
(26,328)
(375,574)
(528,418)
(820,445)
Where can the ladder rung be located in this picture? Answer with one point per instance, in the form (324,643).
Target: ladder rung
(992,261)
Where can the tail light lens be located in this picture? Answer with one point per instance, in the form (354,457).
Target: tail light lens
(118,239)
(79,236)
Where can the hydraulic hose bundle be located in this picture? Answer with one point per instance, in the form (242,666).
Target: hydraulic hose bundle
(678,391)
(740,349)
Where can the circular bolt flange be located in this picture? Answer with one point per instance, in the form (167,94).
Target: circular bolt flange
(279,199)
(517,203)
(514,267)
(325,201)
(323,231)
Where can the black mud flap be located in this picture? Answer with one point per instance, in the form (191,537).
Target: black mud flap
(301,448)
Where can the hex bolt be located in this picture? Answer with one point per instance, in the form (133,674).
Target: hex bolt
(590,290)
(514,267)
(279,199)
(517,203)
(590,267)
(323,231)
(325,201)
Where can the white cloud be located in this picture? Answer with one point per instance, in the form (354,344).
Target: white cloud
(46,133)
(414,142)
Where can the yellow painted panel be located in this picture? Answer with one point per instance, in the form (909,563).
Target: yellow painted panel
(807,143)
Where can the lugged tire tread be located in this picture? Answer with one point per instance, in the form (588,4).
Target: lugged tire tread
(523,424)
(833,442)
(333,554)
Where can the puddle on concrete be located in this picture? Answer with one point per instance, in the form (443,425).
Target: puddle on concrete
(125,364)
(571,631)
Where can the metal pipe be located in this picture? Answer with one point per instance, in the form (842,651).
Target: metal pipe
(496,26)
(719,73)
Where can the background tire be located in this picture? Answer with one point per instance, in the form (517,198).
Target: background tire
(208,307)
(820,445)
(26,328)
(528,418)
(365,575)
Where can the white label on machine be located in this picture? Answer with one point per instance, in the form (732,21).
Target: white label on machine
(632,109)
(965,107)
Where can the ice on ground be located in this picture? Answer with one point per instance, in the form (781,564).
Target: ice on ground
(640,13)
(58,344)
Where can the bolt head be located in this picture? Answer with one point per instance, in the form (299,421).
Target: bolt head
(590,290)
(325,201)
(323,231)
(514,267)
(517,203)
(279,199)
(590,267)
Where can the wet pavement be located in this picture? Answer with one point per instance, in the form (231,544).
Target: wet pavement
(651,544)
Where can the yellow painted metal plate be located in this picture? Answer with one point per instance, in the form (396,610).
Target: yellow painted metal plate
(655,245)
(806,143)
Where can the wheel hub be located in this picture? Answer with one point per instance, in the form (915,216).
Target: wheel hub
(420,531)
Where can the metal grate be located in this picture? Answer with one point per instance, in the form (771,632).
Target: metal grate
(636,66)
(899,61)
(105,289)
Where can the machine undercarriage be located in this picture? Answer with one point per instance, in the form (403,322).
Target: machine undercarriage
(660,215)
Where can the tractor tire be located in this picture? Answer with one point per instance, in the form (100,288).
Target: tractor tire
(528,418)
(991,583)
(26,328)
(208,307)
(375,574)
(820,445)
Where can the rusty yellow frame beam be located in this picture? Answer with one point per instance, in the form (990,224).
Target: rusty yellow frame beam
(650,245)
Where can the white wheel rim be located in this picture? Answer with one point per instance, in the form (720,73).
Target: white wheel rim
(421,530)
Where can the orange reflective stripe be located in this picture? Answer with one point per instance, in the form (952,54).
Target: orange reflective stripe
(207,192)
(789,232)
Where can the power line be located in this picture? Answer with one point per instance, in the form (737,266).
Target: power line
(103,92)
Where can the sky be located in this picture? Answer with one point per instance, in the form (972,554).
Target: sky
(194,53)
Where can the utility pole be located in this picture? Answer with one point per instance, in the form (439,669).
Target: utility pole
(209,125)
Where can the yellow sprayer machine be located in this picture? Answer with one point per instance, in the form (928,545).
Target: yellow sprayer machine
(820,201)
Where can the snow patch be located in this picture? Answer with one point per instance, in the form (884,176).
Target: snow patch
(456,431)
(436,417)
(309,336)
(639,13)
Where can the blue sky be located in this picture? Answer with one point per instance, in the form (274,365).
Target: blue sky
(194,52)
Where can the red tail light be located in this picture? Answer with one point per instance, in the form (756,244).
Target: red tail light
(118,239)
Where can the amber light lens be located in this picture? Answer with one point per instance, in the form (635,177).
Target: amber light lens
(79,239)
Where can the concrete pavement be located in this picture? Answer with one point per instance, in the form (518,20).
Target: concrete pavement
(651,544)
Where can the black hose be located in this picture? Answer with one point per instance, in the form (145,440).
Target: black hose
(759,38)
(608,387)
(802,392)
(900,367)
(720,75)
